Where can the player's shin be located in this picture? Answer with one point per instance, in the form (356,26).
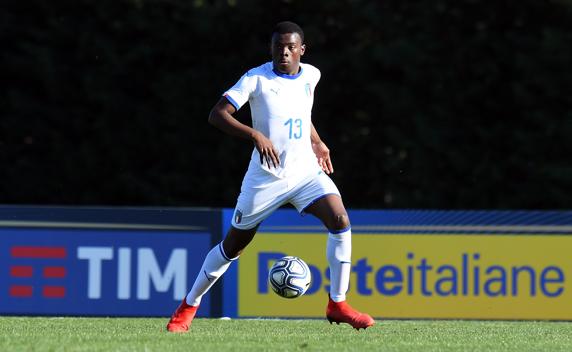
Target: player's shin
(339,251)
(214,266)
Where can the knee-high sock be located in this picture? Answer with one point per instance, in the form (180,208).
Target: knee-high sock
(339,253)
(215,264)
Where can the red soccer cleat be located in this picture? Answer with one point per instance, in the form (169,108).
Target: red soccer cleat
(182,318)
(341,312)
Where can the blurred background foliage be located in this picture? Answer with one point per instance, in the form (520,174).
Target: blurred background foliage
(453,104)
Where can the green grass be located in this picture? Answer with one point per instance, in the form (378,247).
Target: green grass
(147,334)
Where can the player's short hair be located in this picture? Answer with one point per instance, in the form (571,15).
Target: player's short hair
(288,27)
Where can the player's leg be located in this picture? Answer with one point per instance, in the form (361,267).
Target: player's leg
(214,266)
(254,204)
(217,262)
(321,198)
(331,211)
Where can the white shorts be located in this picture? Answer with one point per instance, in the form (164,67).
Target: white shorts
(259,200)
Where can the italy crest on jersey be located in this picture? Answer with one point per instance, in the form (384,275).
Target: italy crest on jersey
(308,90)
(238,216)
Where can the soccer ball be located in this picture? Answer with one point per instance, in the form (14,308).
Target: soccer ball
(290,277)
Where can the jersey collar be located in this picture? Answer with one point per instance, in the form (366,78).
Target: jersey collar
(283,75)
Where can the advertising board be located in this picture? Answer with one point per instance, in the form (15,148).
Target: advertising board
(462,271)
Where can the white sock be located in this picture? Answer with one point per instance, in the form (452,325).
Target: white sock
(339,253)
(215,264)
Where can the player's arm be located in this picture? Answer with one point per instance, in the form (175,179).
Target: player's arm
(322,151)
(221,117)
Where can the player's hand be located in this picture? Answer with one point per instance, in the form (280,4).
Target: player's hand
(323,154)
(266,150)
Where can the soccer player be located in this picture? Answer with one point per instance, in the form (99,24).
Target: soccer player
(289,165)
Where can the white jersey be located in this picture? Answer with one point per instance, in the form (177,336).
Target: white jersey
(281,107)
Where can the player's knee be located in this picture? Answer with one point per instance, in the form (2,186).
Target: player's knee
(236,241)
(340,222)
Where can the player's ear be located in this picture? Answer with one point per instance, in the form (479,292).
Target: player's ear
(302,49)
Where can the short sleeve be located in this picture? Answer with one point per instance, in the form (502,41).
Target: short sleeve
(313,73)
(317,76)
(241,92)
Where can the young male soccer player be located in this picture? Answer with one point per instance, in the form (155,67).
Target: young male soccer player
(289,165)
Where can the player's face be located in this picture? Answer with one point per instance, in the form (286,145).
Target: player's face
(286,51)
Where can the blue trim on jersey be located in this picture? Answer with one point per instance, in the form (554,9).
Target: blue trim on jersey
(285,75)
(337,232)
(232,101)
(315,200)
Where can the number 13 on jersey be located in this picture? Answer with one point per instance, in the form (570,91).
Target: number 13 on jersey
(294,128)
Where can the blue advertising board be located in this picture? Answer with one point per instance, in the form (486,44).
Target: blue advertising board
(94,272)
(405,263)
(103,261)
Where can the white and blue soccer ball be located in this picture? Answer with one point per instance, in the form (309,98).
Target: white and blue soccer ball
(290,277)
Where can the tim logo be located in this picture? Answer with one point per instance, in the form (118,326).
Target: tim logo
(25,273)
(100,273)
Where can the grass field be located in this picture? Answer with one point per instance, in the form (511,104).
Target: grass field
(147,334)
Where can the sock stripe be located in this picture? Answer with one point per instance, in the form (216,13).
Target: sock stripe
(336,232)
(223,253)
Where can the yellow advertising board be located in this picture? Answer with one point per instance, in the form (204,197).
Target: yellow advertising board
(453,276)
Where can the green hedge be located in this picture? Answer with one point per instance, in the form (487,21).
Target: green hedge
(441,104)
